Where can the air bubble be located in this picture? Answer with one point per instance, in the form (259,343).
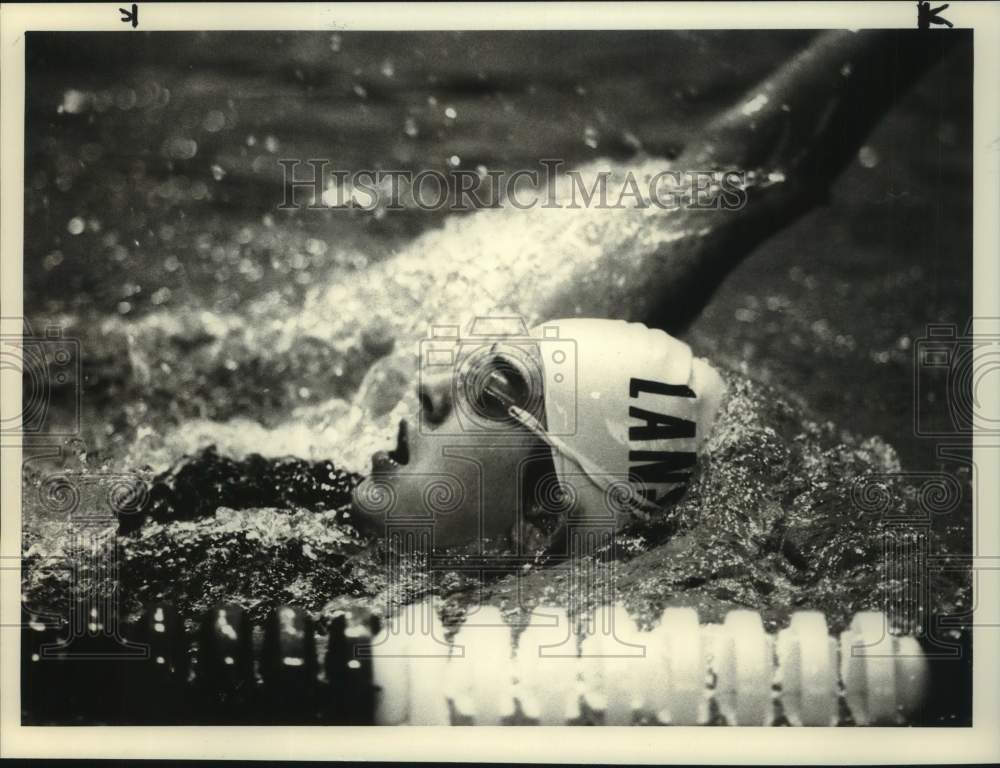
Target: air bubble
(160,296)
(868,157)
(74,102)
(214,121)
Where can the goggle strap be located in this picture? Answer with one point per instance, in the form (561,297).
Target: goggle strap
(597,474)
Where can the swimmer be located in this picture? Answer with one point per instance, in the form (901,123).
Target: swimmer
(792,134)
(616,425)
(518,433)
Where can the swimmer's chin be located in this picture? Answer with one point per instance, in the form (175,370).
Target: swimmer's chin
(369,500)
(374,495)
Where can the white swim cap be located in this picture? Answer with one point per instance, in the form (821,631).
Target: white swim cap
(626,409)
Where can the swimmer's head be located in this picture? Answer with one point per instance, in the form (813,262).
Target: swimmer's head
(592,420)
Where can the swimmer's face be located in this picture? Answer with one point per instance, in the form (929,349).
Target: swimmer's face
(456,468)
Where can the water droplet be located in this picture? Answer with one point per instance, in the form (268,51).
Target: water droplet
(271,144)
(160,295)
(218,172)
(868,157)
(388,70)
(316,247)
(181,148)
(755,105)
(124,307)
(52,260)
(410,128)
(74,102)
(76,226)
(335,42)
(450,113)
(214,121)
(590,137)
(359,90)
(454,160)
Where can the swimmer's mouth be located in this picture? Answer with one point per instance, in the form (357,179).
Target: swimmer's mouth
(386,461)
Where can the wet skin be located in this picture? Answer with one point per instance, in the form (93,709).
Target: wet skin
(456,464)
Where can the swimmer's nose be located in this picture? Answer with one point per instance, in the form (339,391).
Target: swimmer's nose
(435,399)
(401,453)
